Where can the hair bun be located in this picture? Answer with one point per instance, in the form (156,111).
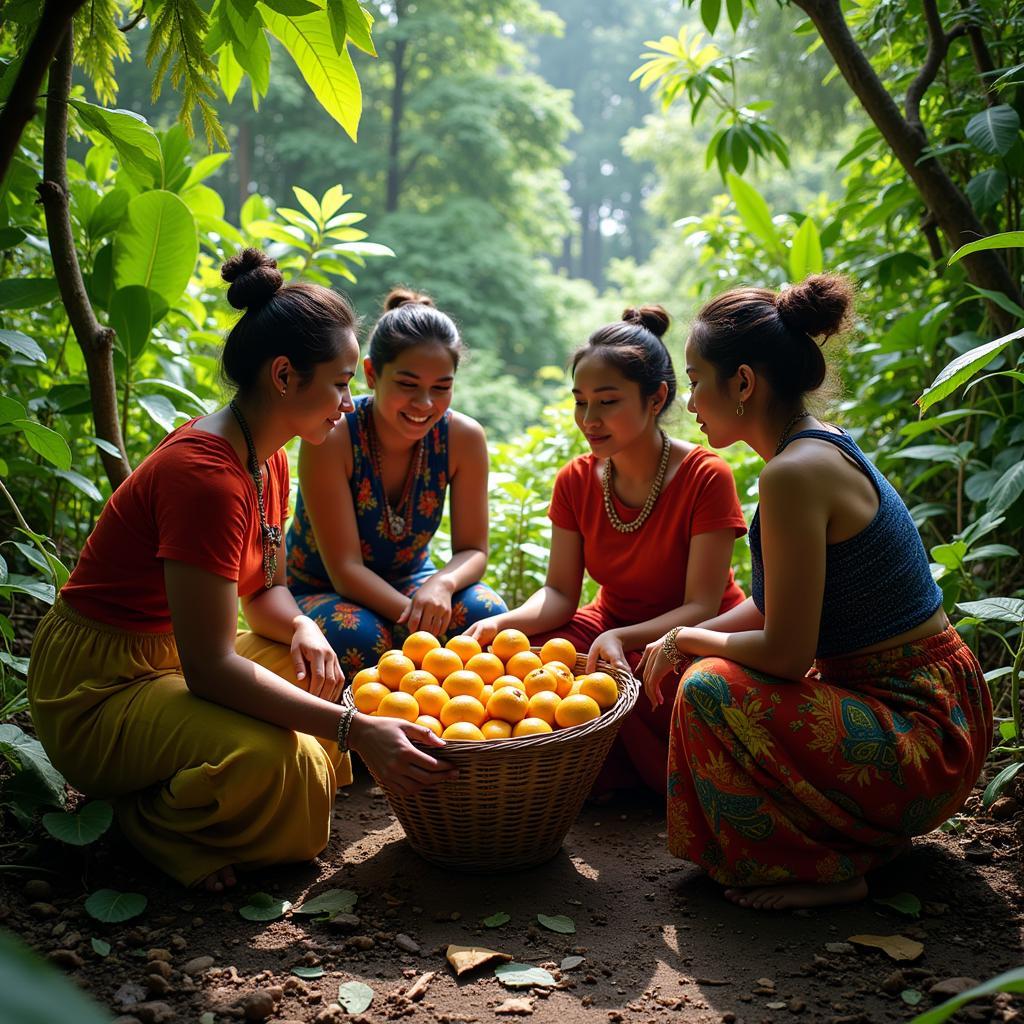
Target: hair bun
(820,305)
(253,278)
(654,318)
(405,297)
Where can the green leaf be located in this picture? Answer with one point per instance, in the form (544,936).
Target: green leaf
(330,901)
(112,906)
(985,190)
(132,317)
(108,213)
(328,73)
(995,609)
(805,256)
(559,923)
(1004,240)
(1000,782)
(905,902)
(1008,488)
(99,947)
(161,410)
(27,755)
(735,10)
(357,23)
(994,130)
(291,8)
(1000,299)
(950,555)
(46,442)
(961,369)
(354,996)
(753,211)
(710,12)
(515,975)
(10,410)
(82,828)
(229,71)
(1010,981)
(156,245)
(309,204)
(336,15)
(27,292)
(17,584)
(497,920)
(309,973)
(137,145)
(1007,730)
(23,345)
(911,996)
(264,907)
(80,483)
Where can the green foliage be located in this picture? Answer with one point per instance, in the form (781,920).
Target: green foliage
(1009,981)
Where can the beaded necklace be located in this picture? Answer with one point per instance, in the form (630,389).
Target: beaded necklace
(802,414)
(270,534)
(398,517)
(652,495)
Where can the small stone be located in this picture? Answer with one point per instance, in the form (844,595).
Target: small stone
(38,890)
(362,942)
(839,947)
(346,922)
(258,1005)
(178,942)
(1005,807)
(66,958)
(403,941)
(978,852)
(129,994)
(331,1015)
(894,983)
(522,1007)
(59,929)
(43,910)
(198,964)
(796,1006)
(154,1013)
(159,954)
(951,987)
(156,985)
(160,968)
(728,1017)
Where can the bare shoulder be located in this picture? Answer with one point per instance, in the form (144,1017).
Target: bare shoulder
(465,435)
(796,473)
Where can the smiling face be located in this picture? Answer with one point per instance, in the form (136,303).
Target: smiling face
(414,390)
(610,410)
(711,400)
(322,402)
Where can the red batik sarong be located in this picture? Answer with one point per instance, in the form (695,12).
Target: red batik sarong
(820,780)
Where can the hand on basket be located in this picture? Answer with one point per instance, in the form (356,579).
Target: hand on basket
(608,647)
(484,630)
(384,744)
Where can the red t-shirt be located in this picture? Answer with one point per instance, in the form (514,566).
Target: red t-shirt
(190,500)
(643,574)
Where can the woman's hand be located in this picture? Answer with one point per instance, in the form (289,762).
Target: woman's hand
(312,655)
(430,607)
(385,745)
(607,647)
(485,630)
(653,668)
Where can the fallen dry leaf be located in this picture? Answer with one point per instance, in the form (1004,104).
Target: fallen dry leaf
(521,1006)
(899,947)
(468,958)
(419,986)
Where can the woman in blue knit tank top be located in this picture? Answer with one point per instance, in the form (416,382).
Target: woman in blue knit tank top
(371,498)
(835,713)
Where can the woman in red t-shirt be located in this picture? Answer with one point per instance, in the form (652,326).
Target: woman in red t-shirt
(140,686)
(651,519)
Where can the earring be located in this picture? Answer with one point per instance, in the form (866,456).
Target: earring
(739,408)
(283,392)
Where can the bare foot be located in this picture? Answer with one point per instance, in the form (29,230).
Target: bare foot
(799,894)
(218,881)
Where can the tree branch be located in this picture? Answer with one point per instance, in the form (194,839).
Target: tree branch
(135,19)
(938,46)
(20,107)
(96,341)
(979,50)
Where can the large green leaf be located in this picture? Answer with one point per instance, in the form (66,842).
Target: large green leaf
(156,245)
(112,906)
(133,312)
(357,24)
(83,827)
(328,73)
(753,211)
(994,130)
(994,609)
(961,369)
(1008,488)
(23,345)
(26,292)
(985,190)
(1003,240)
(805,256)
(27,753)
(137,145)
(46,442)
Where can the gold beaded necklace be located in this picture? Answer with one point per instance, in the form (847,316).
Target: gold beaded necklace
(652,495)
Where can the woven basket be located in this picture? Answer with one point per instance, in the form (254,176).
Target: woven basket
(515,799)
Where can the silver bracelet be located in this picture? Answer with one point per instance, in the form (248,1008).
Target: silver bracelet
(669,649)
(344,724)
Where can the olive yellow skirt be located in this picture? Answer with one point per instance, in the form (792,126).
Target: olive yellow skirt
(195,786)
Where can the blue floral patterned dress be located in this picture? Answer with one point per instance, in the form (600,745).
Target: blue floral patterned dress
(358,635)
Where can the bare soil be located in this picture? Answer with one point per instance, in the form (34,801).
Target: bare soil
(658,941)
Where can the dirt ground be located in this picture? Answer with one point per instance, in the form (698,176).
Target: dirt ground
(658,941)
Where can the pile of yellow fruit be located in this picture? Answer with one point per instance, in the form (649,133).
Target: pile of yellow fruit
(461,692)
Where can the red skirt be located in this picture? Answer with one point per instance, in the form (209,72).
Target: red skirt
(821,780)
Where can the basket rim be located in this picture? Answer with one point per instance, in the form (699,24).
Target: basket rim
(629,692)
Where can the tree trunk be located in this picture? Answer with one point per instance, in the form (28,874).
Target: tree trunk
(948,205)
(96,341)
(20,107)
(394,185)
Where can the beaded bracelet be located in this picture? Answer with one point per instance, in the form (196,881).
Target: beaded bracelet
(671,651)
(344,724)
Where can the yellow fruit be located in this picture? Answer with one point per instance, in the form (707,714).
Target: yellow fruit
(576,684)
(463,709)
(368,697)
(441,662)
(509,642)
(522,664)
(558,649)
(485,696)
(543,705)
(540,679)
(430,723)
(365,675)
(503,681)
(413,680)
(462,731)
(602,687)
(393,650)
(508,704)
(392,667)
(431,698)
(564,674)
(417,644)
(531,727)
(487,666)
(399,705)
(463,683)
(576,710)
(464,646)
(495,729)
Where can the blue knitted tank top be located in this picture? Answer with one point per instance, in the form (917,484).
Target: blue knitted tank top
(878,582)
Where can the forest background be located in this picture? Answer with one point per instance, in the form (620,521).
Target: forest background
(536,166)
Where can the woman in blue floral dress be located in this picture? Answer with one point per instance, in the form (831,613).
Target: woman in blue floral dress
(371,498)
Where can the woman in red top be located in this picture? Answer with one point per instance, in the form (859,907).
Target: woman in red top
(650,518)
(140,687)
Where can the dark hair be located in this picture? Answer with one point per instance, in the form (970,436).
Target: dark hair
(300,321)
(774,332)
(634,347)
(410,318)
